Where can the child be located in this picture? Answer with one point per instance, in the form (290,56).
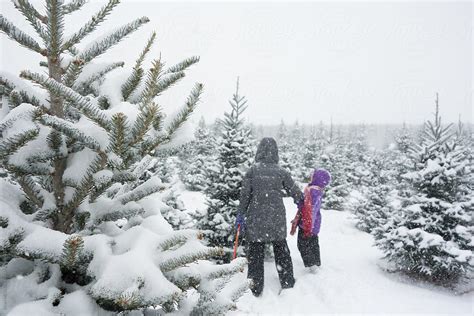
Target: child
(308,219)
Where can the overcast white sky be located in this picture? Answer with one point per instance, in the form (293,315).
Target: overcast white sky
(373,62)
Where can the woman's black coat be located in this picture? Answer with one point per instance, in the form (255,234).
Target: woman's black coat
(261,200)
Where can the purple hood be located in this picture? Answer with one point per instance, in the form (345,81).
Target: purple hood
(321,178)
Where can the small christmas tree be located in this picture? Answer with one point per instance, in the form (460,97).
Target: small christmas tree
(431,234)
(234,155)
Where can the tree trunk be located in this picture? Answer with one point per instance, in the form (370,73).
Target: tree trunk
(62,220)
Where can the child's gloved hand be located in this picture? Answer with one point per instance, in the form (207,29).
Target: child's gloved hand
(240,220)
(294,224)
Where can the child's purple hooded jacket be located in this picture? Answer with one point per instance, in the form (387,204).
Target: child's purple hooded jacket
(311,208)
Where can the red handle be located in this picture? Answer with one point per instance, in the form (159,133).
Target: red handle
(236,242)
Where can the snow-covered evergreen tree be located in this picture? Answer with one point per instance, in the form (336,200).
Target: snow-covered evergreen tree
(284,148)
(404,140)
(372,210)
(74,147)
(334,159)
(313,148)
(294,159)
(357,156)
(202,153)
(431,234)
(234,155)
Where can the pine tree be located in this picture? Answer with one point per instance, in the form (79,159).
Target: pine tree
(334,159)
(202,153)
(294,157)
(234,155)
(404,140)
(77,212)
(372,210)
(430,235)
(357,154)
(284,148)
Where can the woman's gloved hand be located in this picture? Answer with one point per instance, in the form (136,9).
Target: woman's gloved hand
(240,220)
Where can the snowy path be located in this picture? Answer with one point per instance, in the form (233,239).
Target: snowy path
(349,280)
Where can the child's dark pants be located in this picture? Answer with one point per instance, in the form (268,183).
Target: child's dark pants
(283,263)
(309,249)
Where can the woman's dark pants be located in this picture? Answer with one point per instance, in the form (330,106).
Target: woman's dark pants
(309,249)
(255,257)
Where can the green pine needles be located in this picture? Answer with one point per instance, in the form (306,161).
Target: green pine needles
(73,155)
(70,100)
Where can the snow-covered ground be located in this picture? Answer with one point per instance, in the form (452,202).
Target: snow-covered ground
(349,281)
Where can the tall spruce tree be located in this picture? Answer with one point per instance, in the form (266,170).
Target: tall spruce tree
(431,234)
(234,155)
(74,210)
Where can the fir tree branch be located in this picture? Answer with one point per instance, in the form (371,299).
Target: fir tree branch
(116,214)
(149,187)
(18,97)
(72,6)
(137,73)
(31,190)
(54,28)
(118,177)
(235,266)
(178,237)
(91,25)
(75,99)
(33,16)
(151,143)
(104,44)
(19,36)
(68,129)
(167,82)
(143,123)
(189,257)
(84,188)
(72,250)
(45,156)
(83,86)
(73,50)
(98,48)
(10,145)
(124,176)
(188,62)
(9,122)
(151,83)
(33,169)
(118,134)
(7,85)
(72,72)
(186,111)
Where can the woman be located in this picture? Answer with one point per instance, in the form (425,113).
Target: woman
(261,214)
